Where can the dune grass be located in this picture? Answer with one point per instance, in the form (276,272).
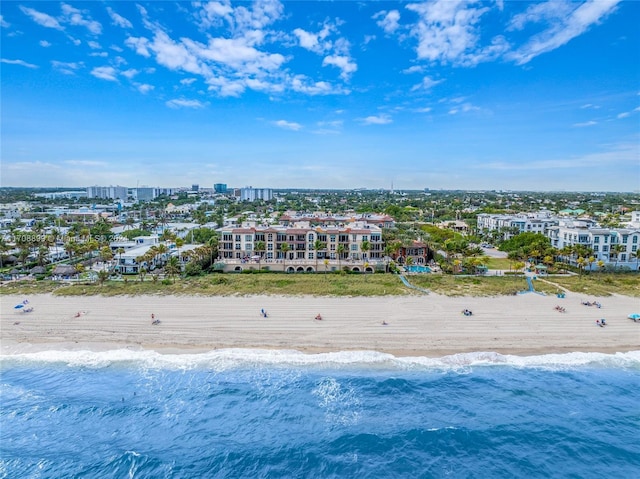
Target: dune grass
(337,285)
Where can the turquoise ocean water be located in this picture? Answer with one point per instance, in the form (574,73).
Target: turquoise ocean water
(255,414)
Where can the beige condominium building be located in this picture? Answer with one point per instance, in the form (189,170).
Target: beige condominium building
(299,247)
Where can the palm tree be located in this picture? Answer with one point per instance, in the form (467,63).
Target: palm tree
(259,248)
(172,268)
(102,277)
(120,251)
(581,262)
(317,246)
(601,264)
(616,249)
(340,250)
(636,256)
(284,247)
(590,261)
(365,247)
(326,264)
(105,255)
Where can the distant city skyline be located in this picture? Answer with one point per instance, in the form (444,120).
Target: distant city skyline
(446,94)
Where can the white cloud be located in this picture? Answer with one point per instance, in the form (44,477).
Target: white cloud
(377,120)
(447,31)
(345,64)
(130,73)
(616,155)
(18,62)
(389,20)
(66,68)
(623,115)
(144,88)
(589,105)
(463,109)
(586,123)
(44,44)
(42,18)
(99,54)
(306,39)
(119,20)
(287,125)
(182,103)
(85,163)
(414,69)
(94,45)
(426,109)
(427,84)
(75,17)
(105,73)
(188,81)
(140,45)
(3,23)
(116,48)
(566,23)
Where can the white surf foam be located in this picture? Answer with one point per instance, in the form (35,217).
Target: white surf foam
(245,358)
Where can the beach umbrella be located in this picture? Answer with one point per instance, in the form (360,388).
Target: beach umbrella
(634,316)
(18,306)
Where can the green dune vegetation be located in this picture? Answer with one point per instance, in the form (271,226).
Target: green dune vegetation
(336,285)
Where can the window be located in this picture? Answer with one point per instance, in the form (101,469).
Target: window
(623,257)
(365,238)
(624,239)
(634,248)
(237,237)
(332,238)
(310,255)
(596,239)
(605,248)
(248,238)
(238,246)
(635,239)
(311,237)
(354,247)
(595,249)
(270,247)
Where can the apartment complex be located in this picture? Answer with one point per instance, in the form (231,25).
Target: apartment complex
(618,246)
(324,219)
(511,225)
(358,242)
(250,193)
(108,192)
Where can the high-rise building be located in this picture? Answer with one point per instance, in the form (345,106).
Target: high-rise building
(146,194)
(250,193)
(108,192)
(195,188)
(220,188)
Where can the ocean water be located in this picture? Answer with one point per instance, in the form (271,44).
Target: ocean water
(281,414)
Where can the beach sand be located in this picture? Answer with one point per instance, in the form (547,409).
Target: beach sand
(429,325)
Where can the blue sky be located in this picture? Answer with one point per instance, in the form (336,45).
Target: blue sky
(442,94)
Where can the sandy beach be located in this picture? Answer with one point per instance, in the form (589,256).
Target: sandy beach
(429,325)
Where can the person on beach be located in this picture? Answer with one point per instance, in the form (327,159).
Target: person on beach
(319,317)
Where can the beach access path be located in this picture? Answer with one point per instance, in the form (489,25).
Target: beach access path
(429,325)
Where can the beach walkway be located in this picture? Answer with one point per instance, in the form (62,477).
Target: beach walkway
(405,281)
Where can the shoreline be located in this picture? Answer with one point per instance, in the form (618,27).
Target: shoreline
(426,326)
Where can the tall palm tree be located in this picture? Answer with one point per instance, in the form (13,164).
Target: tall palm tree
(284,247)
(601,264)
(616,249)
(172,268)
(317,246)
(259,248)
(119,251)
(590,261)
(581,262)
(635,255)
(340,250)
(365,247)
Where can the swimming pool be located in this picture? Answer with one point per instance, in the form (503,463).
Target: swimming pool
(417,268)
